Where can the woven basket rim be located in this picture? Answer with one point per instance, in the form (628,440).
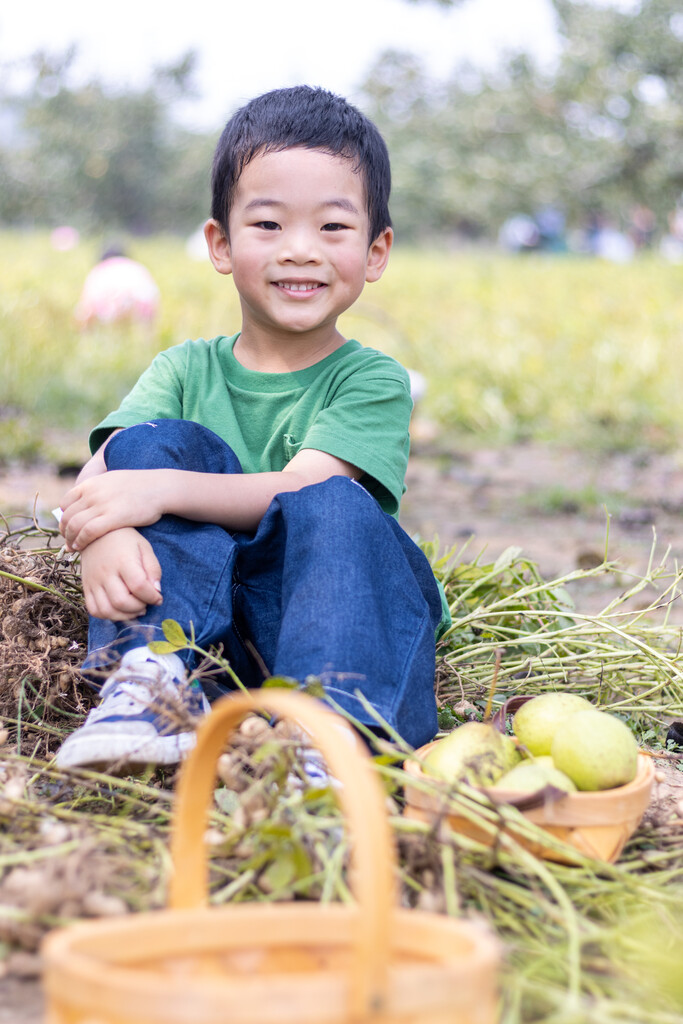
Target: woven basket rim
(479,957)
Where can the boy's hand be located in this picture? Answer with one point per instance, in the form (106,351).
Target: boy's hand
(110,501)
(121,576)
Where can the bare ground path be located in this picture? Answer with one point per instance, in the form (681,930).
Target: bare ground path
(555,503)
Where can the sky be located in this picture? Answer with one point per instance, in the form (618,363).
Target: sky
(246,47)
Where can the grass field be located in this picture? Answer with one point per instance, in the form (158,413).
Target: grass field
(549,348)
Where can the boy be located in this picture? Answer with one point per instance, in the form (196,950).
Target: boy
(248,486)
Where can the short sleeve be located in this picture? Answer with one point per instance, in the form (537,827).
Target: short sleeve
(367,424)
(157,395)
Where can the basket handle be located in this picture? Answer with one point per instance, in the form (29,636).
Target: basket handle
(363,802)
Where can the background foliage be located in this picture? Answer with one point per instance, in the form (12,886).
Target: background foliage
(98,159)
(600,130)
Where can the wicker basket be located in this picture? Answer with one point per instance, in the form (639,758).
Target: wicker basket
(595,824)
(285,963)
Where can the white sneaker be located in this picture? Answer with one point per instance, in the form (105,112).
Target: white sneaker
(147,715)
(314,764)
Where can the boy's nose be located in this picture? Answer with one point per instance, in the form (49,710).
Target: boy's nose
(299,247)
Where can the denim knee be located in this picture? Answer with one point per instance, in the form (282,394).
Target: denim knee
(342,507)
(337,500)
(171,444)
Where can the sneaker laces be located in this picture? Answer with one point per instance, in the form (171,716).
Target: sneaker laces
(145,684)
(120,697)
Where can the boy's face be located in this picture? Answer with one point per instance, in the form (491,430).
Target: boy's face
(298,246)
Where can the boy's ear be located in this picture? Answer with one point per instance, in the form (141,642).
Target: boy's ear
(378,255)
(219,247)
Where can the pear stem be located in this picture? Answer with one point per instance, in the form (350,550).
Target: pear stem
(492,690)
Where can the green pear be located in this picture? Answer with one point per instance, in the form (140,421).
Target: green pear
(545,760)
(472,753)
(531,776)
(536,721)
(596,750)
(511,752)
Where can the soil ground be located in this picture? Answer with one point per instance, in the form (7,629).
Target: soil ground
(550,501)
(21,1001)
(560,505)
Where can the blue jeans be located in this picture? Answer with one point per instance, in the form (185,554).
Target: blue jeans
(329,586)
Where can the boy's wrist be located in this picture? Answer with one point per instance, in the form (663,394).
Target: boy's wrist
(170,491)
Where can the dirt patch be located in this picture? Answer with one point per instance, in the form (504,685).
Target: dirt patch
(666,805)
(21,1000)
(555,503)
(32,490)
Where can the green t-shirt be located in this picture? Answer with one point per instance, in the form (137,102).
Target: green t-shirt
(355,404)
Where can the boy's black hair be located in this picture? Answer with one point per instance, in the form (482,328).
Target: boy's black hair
(312,118)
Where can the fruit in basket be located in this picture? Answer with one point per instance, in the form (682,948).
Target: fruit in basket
(472,753)
(545,760)
(537,721)
(511,752)
(532,776)
(596,750)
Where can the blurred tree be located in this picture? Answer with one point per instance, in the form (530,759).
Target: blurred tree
(97,159)
(602,130)
(619,89)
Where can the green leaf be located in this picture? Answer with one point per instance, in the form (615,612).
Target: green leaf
(174,633)
(276,831)
(313,687)
(506,559)
(383,759)
(280,683)
(162,647)
(447,718)
(227,800)
(268,749)
(301,860)
(281,872)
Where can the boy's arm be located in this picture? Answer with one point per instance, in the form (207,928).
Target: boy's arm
(96,465)
(120,572)
(111,500)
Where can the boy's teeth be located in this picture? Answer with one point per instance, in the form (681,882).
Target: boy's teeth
(292,286)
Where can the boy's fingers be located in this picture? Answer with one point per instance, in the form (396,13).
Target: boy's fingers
(117,604)
(122,601)
(150,563)
(141,587)
(83,530)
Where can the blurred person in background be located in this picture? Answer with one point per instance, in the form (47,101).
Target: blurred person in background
(117,289)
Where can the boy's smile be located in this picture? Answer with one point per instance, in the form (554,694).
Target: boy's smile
(300,286)
(298,250)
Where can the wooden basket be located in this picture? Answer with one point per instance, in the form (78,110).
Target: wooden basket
(284,963)
(595,824)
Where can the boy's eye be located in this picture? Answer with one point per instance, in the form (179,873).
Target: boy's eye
(267,225)
(334,227)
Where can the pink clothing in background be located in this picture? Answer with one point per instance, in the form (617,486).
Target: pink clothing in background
(116,289)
